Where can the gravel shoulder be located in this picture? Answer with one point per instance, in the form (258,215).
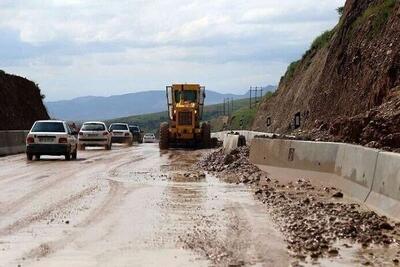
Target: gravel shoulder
(321,226)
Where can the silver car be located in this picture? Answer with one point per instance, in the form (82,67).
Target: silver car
(120,133)
(94,133)
(149,138)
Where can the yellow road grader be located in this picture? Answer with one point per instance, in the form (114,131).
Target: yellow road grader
(185,110)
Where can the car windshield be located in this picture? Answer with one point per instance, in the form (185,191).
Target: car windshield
(93,127)
(118,127)
(134,129)
(187,95)
(52,127)
(149,135)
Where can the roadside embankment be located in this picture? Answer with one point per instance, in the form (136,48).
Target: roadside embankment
(12,142)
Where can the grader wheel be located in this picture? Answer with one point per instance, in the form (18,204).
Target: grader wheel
(164,136)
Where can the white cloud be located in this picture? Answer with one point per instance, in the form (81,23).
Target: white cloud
(66,41)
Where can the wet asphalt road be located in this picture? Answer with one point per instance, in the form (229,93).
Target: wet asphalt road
(132,206)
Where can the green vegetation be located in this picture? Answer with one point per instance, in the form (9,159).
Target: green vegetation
(340,10)
(319,42)
(378,14)
(242,118)
(322,40)
(291,69)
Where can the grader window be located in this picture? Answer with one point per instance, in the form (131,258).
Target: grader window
(186,95)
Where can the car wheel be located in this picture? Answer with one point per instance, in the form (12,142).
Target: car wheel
(37,157)
(29,156)
(81,147)
(68,156)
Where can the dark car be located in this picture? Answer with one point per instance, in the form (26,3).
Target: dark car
(137,133)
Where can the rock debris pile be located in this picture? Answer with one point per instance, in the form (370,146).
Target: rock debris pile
(313,219)
(234,167)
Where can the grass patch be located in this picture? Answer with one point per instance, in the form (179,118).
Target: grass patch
(379,15)
(318,43)
(244,117)
(291,69)
(322,40)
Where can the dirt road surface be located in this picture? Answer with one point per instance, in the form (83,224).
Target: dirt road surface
(129,207)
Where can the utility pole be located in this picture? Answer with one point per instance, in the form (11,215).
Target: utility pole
(255,98)
(228,106)
(251,88)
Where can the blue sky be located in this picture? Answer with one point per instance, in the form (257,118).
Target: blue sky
(75,48)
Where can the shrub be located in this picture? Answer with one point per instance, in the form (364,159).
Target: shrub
(340,10)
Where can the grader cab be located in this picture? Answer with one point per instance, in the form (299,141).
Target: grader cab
(185,110)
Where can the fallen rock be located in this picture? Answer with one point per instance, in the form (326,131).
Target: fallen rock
(338,195)
(386,226)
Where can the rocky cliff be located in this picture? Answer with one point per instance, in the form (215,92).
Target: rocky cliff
(346,86)
(20,103)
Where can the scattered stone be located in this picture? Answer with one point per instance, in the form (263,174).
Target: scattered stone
(309,217)
(258,191)
(396,261)
(333,252)
(338,195)
(386,226)
(66,222)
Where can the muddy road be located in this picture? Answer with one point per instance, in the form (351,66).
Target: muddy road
(130,207)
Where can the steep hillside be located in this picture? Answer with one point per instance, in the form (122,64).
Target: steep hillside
(349,72)
(20,103)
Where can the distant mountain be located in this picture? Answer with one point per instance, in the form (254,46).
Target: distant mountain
(102,108)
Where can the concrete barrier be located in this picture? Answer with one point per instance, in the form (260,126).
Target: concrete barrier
(385,193)
(249,135)
(219,135)
(366,175)
(356,164)
(230,143)
(12,142)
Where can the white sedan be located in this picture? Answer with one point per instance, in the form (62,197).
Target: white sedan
(120,133)
(94,133)
(51,137)
(149,138)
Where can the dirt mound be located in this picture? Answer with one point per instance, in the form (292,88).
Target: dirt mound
(20,103)
(348,71)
